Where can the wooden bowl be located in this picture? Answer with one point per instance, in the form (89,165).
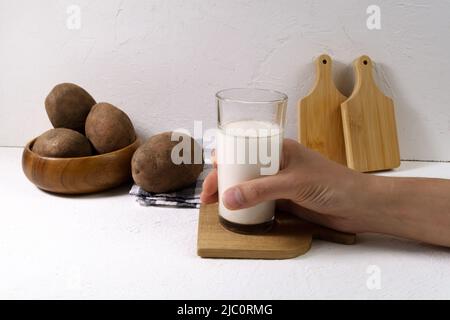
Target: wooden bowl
(79,175)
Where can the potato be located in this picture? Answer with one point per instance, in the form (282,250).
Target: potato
(153,168)
(62,143)
(109,128)
(68,105)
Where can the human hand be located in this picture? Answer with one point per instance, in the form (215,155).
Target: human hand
(327,193)
(307,185)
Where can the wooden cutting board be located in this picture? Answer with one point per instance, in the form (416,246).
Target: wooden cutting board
(289,238)
(320,123)
(368,118)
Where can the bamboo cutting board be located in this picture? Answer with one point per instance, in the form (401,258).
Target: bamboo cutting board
(289,238)
(319,113)
(368,118)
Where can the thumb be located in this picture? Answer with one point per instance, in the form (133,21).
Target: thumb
(253,192)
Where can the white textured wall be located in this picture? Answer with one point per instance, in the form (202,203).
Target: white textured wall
(162,61)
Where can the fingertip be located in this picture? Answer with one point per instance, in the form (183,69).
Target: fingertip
(208,199)
(233,199)
(209,186)
(214,158)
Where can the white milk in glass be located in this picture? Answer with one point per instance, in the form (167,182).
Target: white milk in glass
(247,150)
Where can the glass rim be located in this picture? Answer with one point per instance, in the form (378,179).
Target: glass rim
(281,97)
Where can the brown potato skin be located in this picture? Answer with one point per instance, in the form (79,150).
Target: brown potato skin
(109,128)
(154,171)
(62,143)
(68,105)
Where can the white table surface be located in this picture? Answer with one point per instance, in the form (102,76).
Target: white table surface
(107,246)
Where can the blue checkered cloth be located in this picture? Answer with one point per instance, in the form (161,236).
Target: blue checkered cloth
(185,198)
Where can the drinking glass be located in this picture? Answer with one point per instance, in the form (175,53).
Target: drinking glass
(249,145)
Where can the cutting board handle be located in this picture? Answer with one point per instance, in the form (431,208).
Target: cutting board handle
(327,234)
(363,72)
(323,69)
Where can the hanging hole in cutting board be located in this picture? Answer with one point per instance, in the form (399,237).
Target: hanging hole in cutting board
(365,62)
(324,61)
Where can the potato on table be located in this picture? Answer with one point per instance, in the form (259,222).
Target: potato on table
(154,170)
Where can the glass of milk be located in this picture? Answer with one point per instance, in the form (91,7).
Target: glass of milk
(249,145)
